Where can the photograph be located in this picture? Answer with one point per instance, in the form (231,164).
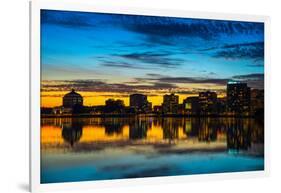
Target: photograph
(127,96)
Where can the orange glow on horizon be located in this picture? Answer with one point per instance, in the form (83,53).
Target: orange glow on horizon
(54,98)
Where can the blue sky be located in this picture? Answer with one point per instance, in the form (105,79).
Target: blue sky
(126,53)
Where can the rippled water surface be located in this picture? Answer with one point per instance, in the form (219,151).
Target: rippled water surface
(80,149)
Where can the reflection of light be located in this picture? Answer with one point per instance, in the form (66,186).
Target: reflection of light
(97,133)
(51,134)
(182,135)
(94,132)
(221,136)
(155,133)
(188,106)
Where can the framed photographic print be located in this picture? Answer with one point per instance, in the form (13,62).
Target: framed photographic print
(123,96)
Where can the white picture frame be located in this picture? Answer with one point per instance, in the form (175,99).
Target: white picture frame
(36,6)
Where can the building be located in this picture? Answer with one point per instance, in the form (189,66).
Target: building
(157,109)
(191,105)
(140,103)
(112,102)
(114,106)
(72,103)
(208,102)
(72,99)
(238,98)
(62,110)
(170,103)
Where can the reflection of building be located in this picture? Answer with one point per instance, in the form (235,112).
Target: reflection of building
(72,99)
(140,103)
(113,126)
(138,128)
(207,130)
(238,97)
(208,102)
(170,128)
(221,105)
(257,102)
(239,135)
(170,103)
(191,105)
(72,131)
(191,127)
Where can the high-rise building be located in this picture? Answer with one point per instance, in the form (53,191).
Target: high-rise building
(140,103)
(170,103)
(72,99)
(191,105)
(238,98)
(208,102)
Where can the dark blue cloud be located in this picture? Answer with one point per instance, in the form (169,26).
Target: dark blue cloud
(102,86)
(247,77)
(67,19)
(163,29)
(193,80)
(255,80)
(133,44)
(154,27)
(163,59)
(254,51)
(122,65)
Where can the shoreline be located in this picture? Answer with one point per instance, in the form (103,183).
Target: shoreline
(143,115)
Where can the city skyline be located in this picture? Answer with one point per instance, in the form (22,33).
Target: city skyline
(125,98)
(241,100)
(130,96)
(112,56)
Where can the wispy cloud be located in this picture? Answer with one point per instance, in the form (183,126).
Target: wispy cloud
(194,80)
(189,52)
(113,64)
(174,31)
(254,51)
(102,86)
(163,59)
(205,29)
(245,77)
(67,19)
(255,80)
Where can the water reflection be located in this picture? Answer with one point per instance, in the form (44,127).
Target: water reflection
(239,135)
(72,131)
(138,128)
(113,126)
(235,133)
(80,149)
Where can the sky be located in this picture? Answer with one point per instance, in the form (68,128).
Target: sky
(106,56)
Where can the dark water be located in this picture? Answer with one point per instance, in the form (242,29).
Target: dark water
(79,149)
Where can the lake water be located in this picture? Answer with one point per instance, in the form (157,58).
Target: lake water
(81,149)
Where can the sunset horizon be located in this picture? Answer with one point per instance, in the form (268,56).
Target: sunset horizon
(113,56)
(130,96)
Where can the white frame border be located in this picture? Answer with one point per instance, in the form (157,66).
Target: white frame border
(36,6)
